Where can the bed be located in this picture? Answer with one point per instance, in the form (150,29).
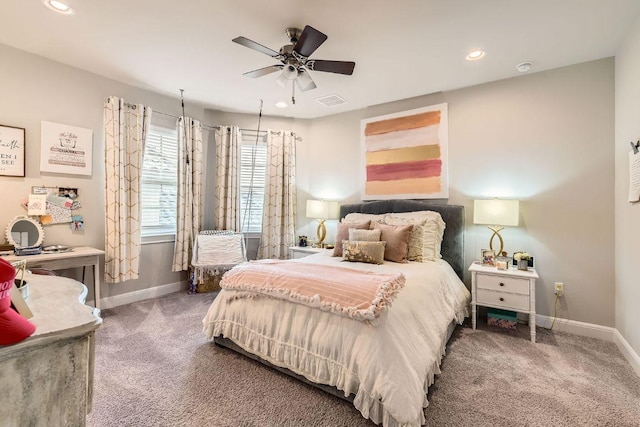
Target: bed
(384,368)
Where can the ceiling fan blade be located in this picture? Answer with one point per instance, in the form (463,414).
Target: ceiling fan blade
(340,67)
(255,46)
(304,80)
(263,71)
(309,41)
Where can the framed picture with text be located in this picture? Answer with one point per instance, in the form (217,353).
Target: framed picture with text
(65,149)
(12,142)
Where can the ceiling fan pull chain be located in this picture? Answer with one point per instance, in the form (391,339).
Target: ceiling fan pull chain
(293,93)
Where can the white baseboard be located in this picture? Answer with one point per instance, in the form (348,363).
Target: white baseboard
(143,294)
(628,352)
(574,327)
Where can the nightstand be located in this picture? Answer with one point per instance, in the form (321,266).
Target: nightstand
(510,289)
(303,251)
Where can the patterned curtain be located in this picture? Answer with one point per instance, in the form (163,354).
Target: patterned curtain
(190,195)
(279,214)
(227,189)
(125,130)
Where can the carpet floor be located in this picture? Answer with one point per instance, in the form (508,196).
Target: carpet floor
(154,368)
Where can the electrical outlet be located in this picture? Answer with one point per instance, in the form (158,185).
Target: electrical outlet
(559,289)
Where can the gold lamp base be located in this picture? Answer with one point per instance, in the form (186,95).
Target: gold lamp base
(496,232)
(321,232)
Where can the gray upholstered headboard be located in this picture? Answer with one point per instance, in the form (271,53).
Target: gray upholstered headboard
(453,215)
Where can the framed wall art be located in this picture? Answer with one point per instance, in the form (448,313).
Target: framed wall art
(405,155)
(12,141)
(66,149)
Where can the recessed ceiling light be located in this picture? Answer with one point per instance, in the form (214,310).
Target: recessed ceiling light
(281,104)
(523,67)
(58,6)
(474,55)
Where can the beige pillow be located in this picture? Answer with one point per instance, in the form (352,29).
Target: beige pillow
(342,233)
(426,238)
(360,217)
(397,238)
(364,235)
(358,251)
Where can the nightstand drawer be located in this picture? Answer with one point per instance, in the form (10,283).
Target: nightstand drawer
(503,284)
(503,299)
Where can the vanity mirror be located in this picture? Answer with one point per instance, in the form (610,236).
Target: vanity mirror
(24,231)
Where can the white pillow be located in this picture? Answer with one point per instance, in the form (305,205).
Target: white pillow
(361,235)
(360,217)
(426,237)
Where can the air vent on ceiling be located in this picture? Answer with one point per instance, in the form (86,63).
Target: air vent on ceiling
(331,100)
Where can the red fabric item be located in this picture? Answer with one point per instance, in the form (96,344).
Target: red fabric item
(13,327)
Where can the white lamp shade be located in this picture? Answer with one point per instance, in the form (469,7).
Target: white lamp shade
(496,212)
(322,209)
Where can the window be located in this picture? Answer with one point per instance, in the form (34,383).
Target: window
(253,168)
(159,183)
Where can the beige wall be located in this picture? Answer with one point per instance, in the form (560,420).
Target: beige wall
(543,138)
(627,215)
(35,89)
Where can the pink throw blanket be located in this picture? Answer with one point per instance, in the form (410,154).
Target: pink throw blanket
(359,295)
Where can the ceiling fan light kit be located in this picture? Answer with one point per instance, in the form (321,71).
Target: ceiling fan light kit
(294,58)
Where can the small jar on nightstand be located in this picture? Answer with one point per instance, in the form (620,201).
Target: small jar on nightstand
(510,289)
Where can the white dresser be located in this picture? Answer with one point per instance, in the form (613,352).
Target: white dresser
(510,289)
(47,379)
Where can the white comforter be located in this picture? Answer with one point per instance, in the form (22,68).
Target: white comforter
(388,367)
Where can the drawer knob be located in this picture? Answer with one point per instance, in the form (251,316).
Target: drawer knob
(501,284)
(501,299)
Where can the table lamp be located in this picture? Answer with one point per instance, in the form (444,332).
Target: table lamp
(497,213)
(322,210)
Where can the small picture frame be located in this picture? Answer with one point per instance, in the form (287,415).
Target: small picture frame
(12,141)
(71,193)
(488,258)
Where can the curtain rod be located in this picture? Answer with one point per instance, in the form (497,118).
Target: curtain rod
(216,127)
(212,127)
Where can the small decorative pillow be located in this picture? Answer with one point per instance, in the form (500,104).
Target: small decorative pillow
(397,238)
(426,237)
(364,235)
(361,217)
(358,251)
(342,233)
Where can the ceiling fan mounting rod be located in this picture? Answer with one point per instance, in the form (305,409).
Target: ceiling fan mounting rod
(293,34)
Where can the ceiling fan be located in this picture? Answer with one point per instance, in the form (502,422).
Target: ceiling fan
(295,58)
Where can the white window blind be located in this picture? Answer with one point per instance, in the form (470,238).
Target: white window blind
(253,168)
(159,182)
